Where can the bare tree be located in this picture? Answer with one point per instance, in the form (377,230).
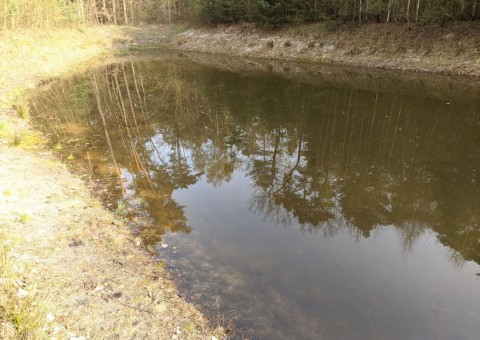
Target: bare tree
(418,7)
(408,13)
(389,10)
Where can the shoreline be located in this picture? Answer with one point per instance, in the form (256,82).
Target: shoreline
(450,50)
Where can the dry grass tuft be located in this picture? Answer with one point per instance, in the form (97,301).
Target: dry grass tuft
(23,309)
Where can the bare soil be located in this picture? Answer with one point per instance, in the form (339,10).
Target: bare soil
(452,49)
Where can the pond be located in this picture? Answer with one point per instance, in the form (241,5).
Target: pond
(327,204)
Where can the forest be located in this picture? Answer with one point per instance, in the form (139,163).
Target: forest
(271,13)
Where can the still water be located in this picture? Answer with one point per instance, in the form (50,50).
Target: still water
(286,208)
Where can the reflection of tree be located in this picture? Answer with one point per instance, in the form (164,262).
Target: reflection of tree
(330,159)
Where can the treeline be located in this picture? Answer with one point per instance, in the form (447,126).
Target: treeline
(44,13)
(277,12)
(40,13)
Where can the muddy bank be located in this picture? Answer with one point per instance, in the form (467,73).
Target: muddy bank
(70,268)
(453,49)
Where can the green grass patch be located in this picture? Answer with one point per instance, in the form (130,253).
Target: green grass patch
(58,147)
(24,218)
(178,29)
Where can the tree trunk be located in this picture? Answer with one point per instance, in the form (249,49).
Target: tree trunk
(388,10)
(125,15)
(131,12)
(360,12)
(474,9)
(408,13)
(354,10)
(81,10)
(5,16)
(114,10)
(168,16)
(418,7)
(366,12)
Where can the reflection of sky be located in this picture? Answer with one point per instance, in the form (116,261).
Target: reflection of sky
(310,286)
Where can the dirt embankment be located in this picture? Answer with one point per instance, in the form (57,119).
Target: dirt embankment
(69,268)
(453,49)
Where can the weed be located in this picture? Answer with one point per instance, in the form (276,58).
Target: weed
(70,157)
(354,51)
(461,49)
(58,147)
(31,141)
(17,140)
(401,49)
(23,308)
(252,43)
(190,328)
(122,208)
(287,43)
(23,110)
(177,29)
(24,218)
(332,25)
(270,44)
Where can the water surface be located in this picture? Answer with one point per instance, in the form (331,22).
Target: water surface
(285,208)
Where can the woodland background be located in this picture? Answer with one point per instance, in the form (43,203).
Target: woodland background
(16,14)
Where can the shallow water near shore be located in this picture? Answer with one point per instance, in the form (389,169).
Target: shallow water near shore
(283,208)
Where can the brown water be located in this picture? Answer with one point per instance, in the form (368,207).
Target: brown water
(288,209)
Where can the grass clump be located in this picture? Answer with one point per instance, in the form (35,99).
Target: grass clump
(24,218)
(17,140)
(23,110)
(122,208)
(24,139)
(4,131)
(178,29)
(58,147)
(23,310)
